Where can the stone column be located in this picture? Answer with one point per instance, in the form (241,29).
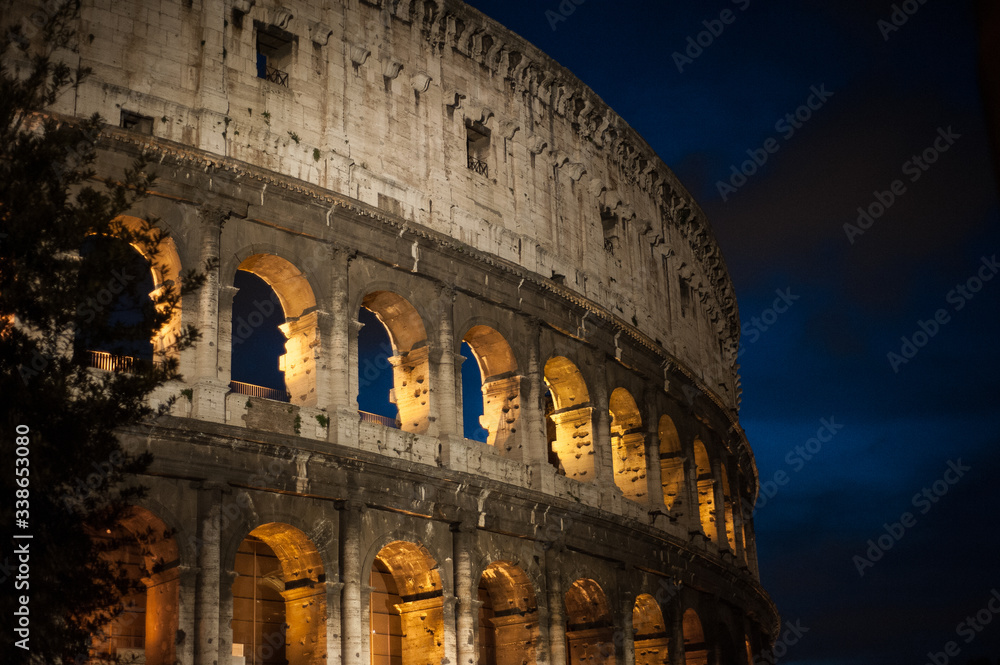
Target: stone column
(556,602)
(226,578)
(654,480)
(720,505)
(626,654)
(465,591)
(207,591)
(346,416)
(693,512)
(531,425)
(187,599)
(354,628)
(604,470)
(326,322)
(334,625)
(224,356)
(737,504)
(675,629)
(335,331)
(208,401)
(443,402)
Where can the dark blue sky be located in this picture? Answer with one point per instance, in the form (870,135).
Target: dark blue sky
(826,357)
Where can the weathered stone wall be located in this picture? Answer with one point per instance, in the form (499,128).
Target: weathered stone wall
(377,103)
(573,264)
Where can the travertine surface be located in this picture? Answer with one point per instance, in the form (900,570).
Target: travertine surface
(376,108)
(607,517)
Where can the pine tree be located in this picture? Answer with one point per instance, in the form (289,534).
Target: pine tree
(67,481)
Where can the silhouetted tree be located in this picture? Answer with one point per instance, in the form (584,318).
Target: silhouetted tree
(59,417)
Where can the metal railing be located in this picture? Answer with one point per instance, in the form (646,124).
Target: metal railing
(276,75)
(250,390)
(378,420)
(110,362)
(479,166)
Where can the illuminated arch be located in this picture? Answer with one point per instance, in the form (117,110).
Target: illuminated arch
(410,361)
(279,598)
(671,464)
(650,632)
(406,606)
(571,418)
(589,627)
(628,445)
(300,329)
(500,383)
(508,616)
(695,647)
(148,625)
(165,267)
(706,491)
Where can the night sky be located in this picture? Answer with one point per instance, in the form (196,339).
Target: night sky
(850,441)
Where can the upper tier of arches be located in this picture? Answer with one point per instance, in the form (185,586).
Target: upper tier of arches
(559,415)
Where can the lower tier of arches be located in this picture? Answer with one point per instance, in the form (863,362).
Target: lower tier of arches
(312,558)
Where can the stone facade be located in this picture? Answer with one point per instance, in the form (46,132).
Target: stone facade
(421,161)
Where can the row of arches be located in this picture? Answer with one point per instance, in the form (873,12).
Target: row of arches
(275,332)
(279,614)
(400,369)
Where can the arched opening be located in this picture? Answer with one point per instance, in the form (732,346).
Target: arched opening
(257,339)
(472,403)
(279,599)
(375,371)
(650,632)
(628,445)
(120,281)
(671,465)
(300,328)
(124,278)
(571,418)
(500,401)
(728,510)
(706,491)
(406,615)
(589,628)
(410,360)
(508,616)
(695,647)
(145,629)
(386,624)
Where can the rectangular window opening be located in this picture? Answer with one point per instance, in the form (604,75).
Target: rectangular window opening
(274,53)
(609,224)
(685,297)
(477,145)
(137,123)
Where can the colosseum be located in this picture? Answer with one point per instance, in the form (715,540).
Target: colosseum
(414,168)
